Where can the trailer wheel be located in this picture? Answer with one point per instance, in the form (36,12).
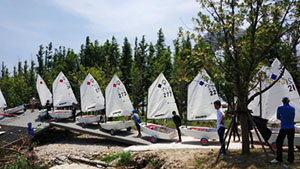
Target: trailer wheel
(56,119)
(129,128)
(153,139)
(204,141)
(83,125)
(298,147)
(274,147)
(112,132)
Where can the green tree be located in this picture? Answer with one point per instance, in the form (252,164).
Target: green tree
(126,63)
(237,58)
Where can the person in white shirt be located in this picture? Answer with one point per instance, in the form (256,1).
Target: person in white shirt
(220,125)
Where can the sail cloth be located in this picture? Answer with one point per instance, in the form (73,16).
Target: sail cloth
(117,99)
(62,92)
(2,101)
(43,91)
(90,94)
(161,102)
(202,94)
(272,98)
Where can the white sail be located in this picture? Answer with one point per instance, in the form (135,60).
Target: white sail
(117,100)
(272,98)
(161,101)
(62,92)
(90,95)
(202,94)
(2,101)
(43,91)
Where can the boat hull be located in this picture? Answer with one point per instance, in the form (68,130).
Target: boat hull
(158,131)
(14,110)
(88,119)
(200,132)
(43,113)
(61,114)
(116,125)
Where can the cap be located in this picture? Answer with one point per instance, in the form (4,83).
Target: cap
(133,110)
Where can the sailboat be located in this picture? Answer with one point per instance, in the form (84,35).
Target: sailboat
(161,104)
(91,99)
(202,94)
(44,94)
(118,104)
(272,99)
(10,111)
(63,96)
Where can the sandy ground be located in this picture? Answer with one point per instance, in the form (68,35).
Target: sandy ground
(188,143)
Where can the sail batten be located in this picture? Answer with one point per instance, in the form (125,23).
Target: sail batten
(91,96)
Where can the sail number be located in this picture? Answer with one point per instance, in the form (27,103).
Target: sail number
(290,85)
(167,92)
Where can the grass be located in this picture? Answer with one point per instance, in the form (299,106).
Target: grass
(123,161)
(253,160)
(22,163)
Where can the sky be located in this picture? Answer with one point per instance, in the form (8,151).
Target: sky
(25,25)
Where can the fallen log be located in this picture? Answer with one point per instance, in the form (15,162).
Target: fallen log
(90,162)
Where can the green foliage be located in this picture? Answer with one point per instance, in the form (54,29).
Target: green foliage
(155,164)
(109,158)
(22,163)
(124,159)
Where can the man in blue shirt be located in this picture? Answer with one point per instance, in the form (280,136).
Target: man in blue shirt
(286,114)
(137,121)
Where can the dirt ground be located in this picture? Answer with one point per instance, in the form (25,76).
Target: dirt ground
(53,150)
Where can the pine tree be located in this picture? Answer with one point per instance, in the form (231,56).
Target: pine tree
(126,63)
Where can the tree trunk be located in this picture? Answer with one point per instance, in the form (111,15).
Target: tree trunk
(245,131)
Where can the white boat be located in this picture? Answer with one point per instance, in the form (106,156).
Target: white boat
(114,126)
(63,96)
(272,99)
(91,99)
(44,94)
(161,104)
(117,104)
(15,109)
(3,105)
(202,94)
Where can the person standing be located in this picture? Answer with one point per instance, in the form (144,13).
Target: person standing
(286,114)
(74,111)
(220,125)
(177,122)
(32,104)
(137,121)
(48,108)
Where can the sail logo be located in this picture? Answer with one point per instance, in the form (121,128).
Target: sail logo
(158,115)
(201,83)
(41,82)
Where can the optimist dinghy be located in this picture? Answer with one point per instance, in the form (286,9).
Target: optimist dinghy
(117,104)
(63,96)
(91,99)
(44,94)
(10,111)
(272,99)
(161,104)
(201,96)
